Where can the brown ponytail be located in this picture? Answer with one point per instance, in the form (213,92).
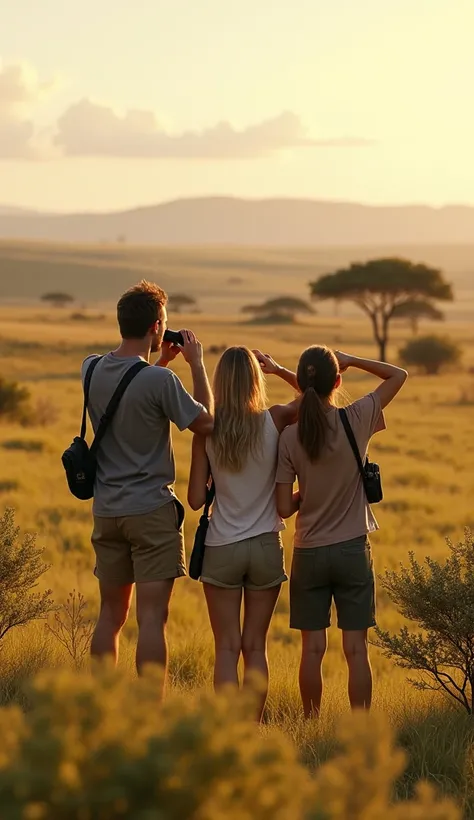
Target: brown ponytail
(317,376)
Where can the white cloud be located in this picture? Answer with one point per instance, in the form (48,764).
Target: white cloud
(20,91)
(90,129)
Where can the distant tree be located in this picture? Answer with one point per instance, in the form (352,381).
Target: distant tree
(282,310)
(121,239)
(58,299)
(440,599)
(180,301)
(431,353)
(415,310)
(380,287)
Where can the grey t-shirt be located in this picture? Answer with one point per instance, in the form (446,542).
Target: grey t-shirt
(135,463)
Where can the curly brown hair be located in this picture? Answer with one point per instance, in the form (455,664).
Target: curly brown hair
(139,308)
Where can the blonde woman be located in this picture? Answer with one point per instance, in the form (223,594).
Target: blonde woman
(244,554)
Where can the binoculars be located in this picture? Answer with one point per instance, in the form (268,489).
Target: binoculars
(173,336)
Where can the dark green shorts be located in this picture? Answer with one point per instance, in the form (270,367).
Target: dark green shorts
(341,571)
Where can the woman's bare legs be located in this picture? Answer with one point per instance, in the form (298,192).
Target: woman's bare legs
(259,608)
(224,615)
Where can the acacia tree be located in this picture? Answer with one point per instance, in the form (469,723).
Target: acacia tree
(380,287)
(414,310)
(178,301)
(58,299)
(280,309)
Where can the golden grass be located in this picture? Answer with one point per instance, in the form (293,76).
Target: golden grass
(426,456)
(221,278)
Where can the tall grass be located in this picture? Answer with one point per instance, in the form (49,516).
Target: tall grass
(426,456)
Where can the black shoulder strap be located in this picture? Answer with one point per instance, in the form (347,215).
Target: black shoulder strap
(352,441)
(210,495)
(114,403)
(87,386)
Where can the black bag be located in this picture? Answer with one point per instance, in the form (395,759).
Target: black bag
(80,461)
(197,555)
(369,471)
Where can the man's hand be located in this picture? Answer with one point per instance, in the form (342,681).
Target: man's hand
(169,352)
(269,366)
(344,360)
(192,349)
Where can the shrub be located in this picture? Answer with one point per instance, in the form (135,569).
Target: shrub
(21,567)
(440,598)
(44,413)
(27,445)
(431,353)
(13,400)
(9,486)
(71,627)
(101,749)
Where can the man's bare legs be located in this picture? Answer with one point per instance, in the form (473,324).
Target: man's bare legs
(259,608)
(153,598)
(356,650)
(224,615)
(313,649)
(114,608)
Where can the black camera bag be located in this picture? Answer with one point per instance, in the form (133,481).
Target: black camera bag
(80,460)
(369,471)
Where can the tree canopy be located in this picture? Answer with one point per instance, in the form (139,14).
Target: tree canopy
(282,309)
(414,310)
(178,301)
(58,299)
(380,287)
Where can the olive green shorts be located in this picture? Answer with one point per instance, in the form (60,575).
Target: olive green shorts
(256,563)
(343,572)
(140,548)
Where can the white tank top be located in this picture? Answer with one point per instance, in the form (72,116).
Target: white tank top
(245,504)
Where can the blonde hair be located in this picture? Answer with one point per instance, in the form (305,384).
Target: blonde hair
(241,399)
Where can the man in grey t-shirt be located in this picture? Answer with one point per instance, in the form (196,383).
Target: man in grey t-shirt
(138,535)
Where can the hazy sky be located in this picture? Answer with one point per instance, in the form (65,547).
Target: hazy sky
(111,103)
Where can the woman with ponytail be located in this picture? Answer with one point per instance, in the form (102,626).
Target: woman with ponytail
(332,558)
(243,560)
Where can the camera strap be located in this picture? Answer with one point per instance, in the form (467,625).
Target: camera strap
(352,441)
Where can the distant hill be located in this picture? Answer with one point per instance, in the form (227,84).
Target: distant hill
(13,210)
(272,222)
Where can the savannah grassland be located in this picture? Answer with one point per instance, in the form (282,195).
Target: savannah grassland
(426,456)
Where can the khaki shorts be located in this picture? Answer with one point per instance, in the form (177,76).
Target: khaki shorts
(139,548)
(341,571)
(256,563)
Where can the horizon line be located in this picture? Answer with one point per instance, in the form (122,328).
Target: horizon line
(27,211)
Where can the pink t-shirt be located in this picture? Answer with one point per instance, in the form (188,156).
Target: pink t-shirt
(333,504)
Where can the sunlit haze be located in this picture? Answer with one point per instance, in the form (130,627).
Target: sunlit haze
(108,104)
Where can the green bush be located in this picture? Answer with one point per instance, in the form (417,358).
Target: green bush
(439,597)
(431,353)
(21,567)
(13,400)
(27,445)
(98,748)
